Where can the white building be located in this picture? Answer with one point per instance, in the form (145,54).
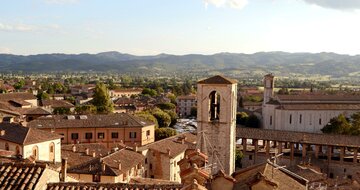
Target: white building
(184,105)
(303,112)
(30,142)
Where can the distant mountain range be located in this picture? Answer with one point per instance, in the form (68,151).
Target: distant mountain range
(332,64)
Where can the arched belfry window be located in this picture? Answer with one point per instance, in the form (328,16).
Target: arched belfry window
(214,99)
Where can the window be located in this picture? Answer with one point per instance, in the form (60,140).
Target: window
(250,157)
(320,121)
(290,119)
(88,135)
(52,148)
(148,133)
(150,166)
(271,120)
(101,135)
(74,136)
(145,160)
(214,99)
(7,146)
(300,118)
(96,178)
(114,135)
(62,134)
(132,135)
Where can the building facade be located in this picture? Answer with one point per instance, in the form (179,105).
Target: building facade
(216,119)
(304,112)
(184,105)
(109,130)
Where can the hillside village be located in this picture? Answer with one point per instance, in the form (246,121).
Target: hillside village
(61,140)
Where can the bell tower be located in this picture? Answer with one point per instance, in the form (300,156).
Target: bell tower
(268,87)
(216,118)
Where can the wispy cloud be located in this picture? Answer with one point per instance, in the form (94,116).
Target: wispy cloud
(336,4)
(16,27)
(61,1)
(236,4)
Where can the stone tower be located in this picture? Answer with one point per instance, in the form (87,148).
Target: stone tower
(268,87)
(216,117)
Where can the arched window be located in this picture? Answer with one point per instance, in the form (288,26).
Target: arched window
(35,152)
(214,99)
(52,152)
(7,146)
(17,150)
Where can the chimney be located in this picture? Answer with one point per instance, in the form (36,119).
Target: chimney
(168,151)
(136,148)
(120,166)
(63,170)
(87,151)
(94,154)
(2,132)
(103,166)
(73,148)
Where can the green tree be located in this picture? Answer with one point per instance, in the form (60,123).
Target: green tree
(148,116)
(162,133)
(166,106)
(85,109)
(338,125)
(163,118)
(42,95)
(238,157)
(61,111)
(101,99)
(173,117)
(193,111)
(19,84)
(150,92)
(241,118)
(253,122)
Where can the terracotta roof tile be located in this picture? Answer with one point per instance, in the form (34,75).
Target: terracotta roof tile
(118,120)
(173,144)
(17,95)
(20,176)
(298,137)
(57,103)
(127,158)
(112,186)
(24,135)
(217,80)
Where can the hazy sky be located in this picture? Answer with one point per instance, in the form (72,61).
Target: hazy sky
(179,26)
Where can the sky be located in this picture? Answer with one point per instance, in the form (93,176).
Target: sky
(149,27)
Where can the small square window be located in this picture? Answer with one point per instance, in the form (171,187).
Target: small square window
(132,135)
(88,135)
(101,135)
(148,133)
(74,136)
(114,135)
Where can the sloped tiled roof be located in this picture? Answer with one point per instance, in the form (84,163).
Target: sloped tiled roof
(296,137)
(17,95)
(218,79)
(320,106)
(113,186)
(127,158)
(20,176)
(35,111)
(24,135)
(318,97)
(172,144)
(57,103)
(118,120)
